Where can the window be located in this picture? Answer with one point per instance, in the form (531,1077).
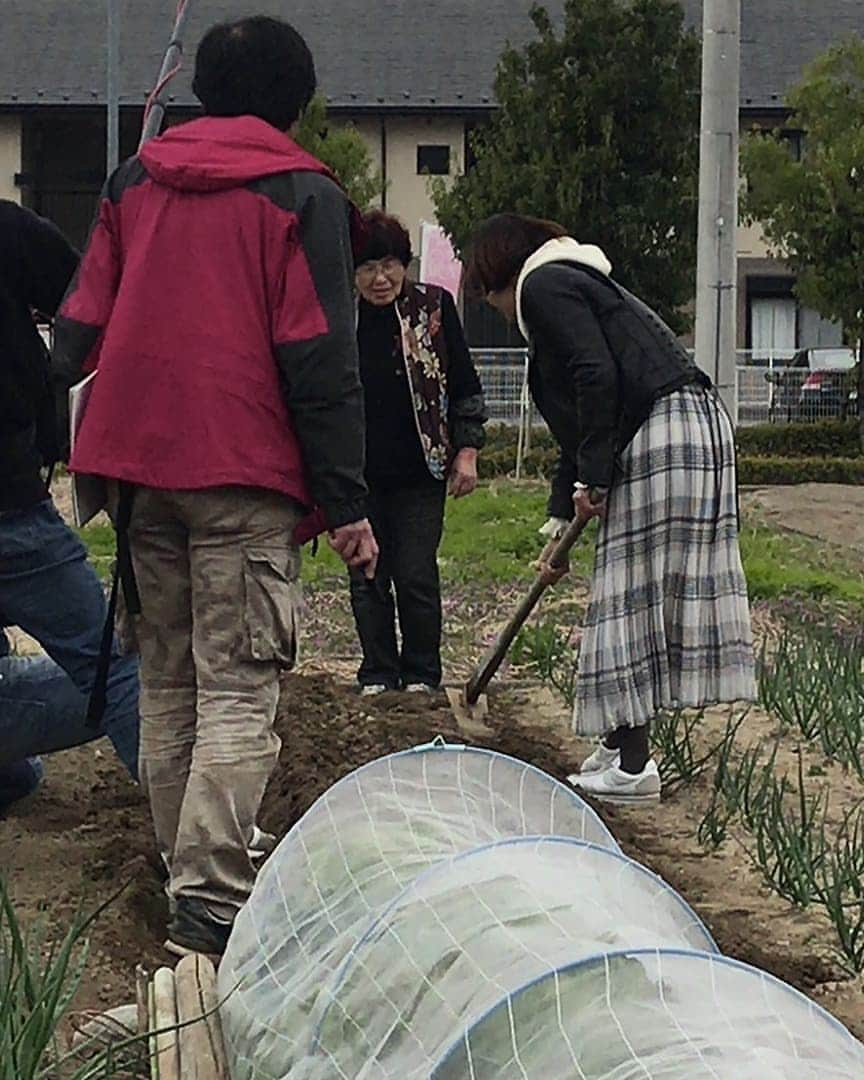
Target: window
(433,160)
(773,327)
(794,141)
(814,332)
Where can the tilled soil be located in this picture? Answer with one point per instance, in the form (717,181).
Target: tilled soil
(87,834)
(830,512)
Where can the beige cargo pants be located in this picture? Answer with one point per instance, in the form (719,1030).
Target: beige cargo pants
(217,573)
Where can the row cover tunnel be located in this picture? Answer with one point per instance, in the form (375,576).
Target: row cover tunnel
(455,914)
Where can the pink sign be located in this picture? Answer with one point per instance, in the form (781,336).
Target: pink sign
(438,262)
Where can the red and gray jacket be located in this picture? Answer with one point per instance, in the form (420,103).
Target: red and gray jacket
(215,299)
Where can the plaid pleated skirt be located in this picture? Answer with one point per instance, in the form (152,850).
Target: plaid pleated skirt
(669,621)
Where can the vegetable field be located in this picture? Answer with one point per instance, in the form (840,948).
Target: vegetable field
(761,830)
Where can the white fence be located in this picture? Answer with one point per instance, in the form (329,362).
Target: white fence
(503,373)
(767,389)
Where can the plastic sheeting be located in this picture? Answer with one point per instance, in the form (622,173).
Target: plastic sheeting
(666,1015)
(454,914)
(471,930)
(357,848)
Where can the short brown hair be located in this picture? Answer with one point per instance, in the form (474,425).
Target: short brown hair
(384,237)
(500,246)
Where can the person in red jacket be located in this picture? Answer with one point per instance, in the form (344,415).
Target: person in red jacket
(215,303)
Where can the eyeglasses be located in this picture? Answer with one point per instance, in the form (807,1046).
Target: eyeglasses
(390,268)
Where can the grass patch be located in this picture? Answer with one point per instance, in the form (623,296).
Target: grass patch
(99,541)
(782,564)
(491,538)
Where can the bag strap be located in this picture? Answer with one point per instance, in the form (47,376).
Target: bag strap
(123,575)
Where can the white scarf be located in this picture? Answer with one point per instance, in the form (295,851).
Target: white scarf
(561,248)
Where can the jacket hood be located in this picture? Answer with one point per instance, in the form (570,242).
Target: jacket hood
(561,249)
(220,152)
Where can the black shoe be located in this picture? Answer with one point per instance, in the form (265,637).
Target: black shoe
(194,929)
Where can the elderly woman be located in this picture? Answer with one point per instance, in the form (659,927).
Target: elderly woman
(646,446)
(424,426)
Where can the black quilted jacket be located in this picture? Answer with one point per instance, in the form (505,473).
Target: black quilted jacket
(600,359)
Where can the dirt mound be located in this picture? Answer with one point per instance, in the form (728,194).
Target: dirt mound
(88,832)
(327,731)
(86,838)
(83,841)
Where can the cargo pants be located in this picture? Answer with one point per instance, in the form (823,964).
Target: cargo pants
(218,577)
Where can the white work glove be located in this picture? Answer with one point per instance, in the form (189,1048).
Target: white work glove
(554,528)
(551,532)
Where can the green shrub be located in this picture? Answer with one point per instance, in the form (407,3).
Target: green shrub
(800,470)
(825,438)
(765,454)
(536,465)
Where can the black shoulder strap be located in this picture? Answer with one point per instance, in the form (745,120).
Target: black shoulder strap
(124,575)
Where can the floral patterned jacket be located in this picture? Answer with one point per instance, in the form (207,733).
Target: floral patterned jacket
(445,424)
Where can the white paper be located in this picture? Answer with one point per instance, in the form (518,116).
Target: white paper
(89,493)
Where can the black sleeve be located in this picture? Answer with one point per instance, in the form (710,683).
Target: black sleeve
(48,262)
(560,503)
(559,315)
(319,369)
(467,409)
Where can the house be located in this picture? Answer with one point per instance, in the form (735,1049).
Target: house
(412,79)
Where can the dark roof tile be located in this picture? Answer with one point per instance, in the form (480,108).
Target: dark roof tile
(368,52)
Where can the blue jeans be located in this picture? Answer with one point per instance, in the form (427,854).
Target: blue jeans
(50,590)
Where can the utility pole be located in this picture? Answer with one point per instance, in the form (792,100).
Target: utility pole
(717,266)
(112,88)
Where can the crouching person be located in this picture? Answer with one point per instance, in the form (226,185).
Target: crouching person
(47,586)
(215,302)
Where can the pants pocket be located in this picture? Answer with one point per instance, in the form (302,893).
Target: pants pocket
(272,603)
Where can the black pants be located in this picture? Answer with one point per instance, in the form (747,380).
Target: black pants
(408,522)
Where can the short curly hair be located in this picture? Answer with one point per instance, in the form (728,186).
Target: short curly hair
(255,66)
(384,236)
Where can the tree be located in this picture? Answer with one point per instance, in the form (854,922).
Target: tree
(343,149)
(597,128)
(812,210)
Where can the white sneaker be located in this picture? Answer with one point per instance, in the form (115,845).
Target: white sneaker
(373,690)
(602,759)
(418,688)
(613,785)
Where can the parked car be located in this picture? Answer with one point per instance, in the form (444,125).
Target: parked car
(817,384)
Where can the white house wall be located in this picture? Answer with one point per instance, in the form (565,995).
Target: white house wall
(407,194)
(392,143)
(752,243)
